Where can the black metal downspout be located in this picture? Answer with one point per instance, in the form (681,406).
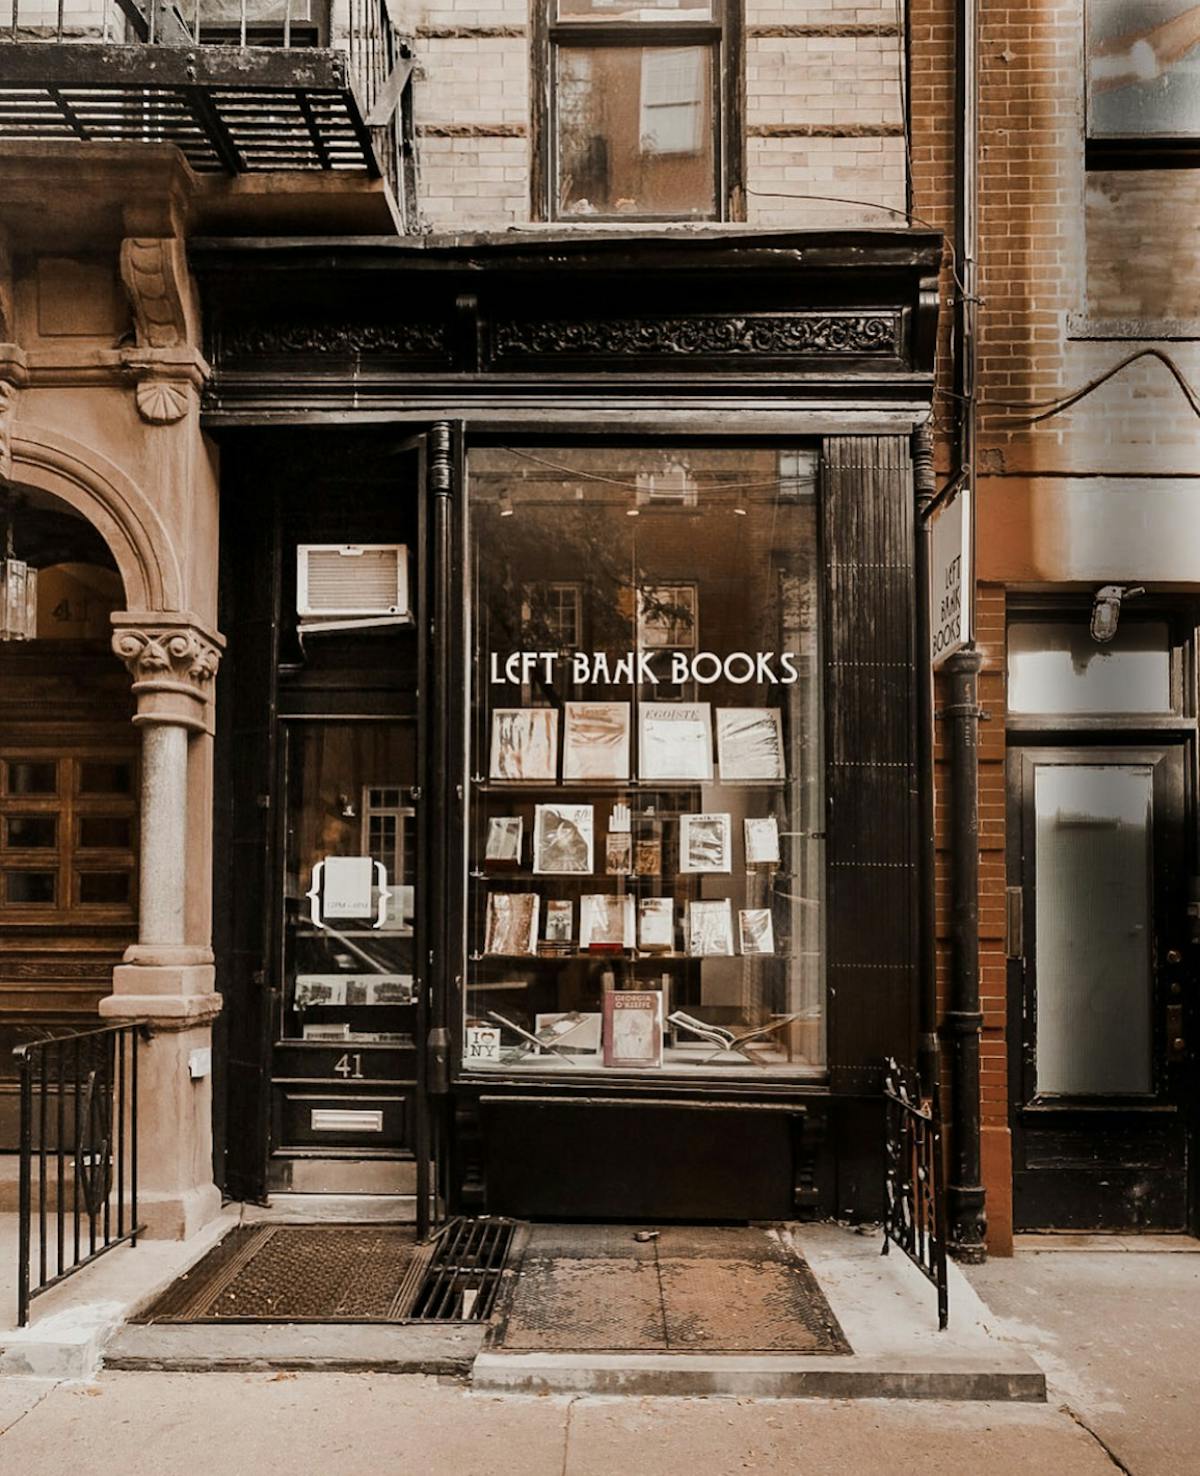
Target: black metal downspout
(924,487)
(966,1211)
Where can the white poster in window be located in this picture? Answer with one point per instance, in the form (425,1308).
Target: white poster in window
(762,841)
(346,888)
(563,840)
(524,744)
(750,743)
(675,741)
(705,843)
(596,741)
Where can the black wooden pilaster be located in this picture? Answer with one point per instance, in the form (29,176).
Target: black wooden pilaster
(872,934)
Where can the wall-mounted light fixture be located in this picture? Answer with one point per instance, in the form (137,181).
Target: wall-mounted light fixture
(1106,609)
(18,587)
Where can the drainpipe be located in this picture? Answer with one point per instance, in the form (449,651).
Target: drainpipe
(966,1213)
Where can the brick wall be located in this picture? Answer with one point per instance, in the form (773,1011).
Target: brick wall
(823,112)
(1078,270)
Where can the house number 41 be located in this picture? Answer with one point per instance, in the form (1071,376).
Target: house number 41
(349,1067)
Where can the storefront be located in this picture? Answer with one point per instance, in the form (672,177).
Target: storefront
(566,795)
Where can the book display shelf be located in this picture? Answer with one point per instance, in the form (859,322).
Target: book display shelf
(644,847)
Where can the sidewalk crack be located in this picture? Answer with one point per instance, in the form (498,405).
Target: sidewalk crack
(567,1434)
(662,1298)
(1098,1438)
(41,1399)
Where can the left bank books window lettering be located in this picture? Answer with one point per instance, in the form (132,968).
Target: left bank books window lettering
(645,708)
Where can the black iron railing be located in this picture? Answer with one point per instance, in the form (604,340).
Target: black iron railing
(79,1158)
(257,85)
(915,1213)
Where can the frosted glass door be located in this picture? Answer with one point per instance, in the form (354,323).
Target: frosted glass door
(1094,923)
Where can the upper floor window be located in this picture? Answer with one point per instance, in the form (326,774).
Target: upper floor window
(636,109)
(1143,75)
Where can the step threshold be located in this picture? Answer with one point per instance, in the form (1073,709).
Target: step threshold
(1001,1376)
(344,1347)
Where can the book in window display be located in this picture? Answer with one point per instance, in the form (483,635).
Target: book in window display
(606,923)
(647,856)
(618,853)
(710,929)
(756,930)
(675,741)
(525,744)
(560,921)
(633,1029)
(512,923)
(656,924)
(705,844)
(750,744)
(579,1030)
(563,840)
(503,846)
(596,741)
(762,841)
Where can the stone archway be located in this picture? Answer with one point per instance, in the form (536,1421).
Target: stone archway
(115,506)
(167,976)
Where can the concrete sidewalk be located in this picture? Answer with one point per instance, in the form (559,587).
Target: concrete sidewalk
(1118,1335)
(129,1424)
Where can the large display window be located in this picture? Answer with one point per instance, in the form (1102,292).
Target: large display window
(645,816)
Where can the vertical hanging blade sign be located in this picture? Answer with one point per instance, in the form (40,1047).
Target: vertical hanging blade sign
(950,576)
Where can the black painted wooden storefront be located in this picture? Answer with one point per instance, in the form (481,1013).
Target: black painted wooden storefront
(392,360)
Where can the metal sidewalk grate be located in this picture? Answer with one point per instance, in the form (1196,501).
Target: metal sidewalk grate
(461,1274)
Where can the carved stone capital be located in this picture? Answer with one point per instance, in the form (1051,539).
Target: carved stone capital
(167,655)
(173,662)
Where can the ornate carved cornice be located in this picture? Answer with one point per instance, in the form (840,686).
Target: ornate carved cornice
(767,335)
(421,340)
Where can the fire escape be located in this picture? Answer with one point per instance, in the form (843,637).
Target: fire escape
(240,86)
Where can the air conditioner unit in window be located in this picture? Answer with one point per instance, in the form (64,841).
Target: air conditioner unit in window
(347,584)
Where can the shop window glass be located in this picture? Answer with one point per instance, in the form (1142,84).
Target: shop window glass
(636,107)
(1143,70)
(349,890)
(1056,667)
(635,131)
(645,851)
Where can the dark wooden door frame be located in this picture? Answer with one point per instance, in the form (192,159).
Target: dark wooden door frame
(1170,750)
